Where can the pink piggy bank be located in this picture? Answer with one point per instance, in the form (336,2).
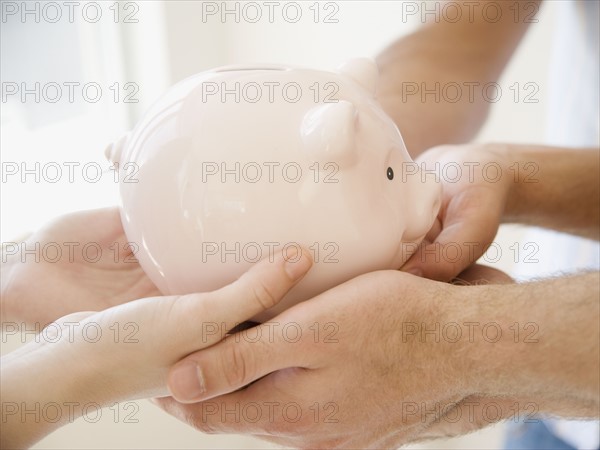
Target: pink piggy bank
(237,163)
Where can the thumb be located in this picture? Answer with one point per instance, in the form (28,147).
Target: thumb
(233,363)
(468,228)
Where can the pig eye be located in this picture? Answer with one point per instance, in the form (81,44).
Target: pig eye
(390,173)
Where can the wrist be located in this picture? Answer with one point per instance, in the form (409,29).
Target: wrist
(536,341)
(496,341)
(461,330)
(500,168)
(446,326)
(493,343)
(520,171)
(555,188)
(38,393)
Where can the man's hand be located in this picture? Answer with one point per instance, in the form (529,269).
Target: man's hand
(476,182)
(94,270)
(349,368)
(485,185)
(389,358)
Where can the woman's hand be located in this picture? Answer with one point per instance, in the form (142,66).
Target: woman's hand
(81,261)
(125,352)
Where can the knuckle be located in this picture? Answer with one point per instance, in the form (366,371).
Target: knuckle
(263,295)
(235,365)
(172,310)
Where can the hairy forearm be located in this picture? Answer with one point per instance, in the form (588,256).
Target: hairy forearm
(555,188)
(548,353)
(470,52)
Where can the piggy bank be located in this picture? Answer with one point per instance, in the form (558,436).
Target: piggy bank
(235,164)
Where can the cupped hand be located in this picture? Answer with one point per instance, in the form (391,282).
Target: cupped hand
(125,352)
(79,262)
(476,181)
(346,369)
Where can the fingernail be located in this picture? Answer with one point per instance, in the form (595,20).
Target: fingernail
(297,263)
(187,382)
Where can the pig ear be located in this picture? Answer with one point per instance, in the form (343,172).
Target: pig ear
(329,132)
(362,70)
(114,151)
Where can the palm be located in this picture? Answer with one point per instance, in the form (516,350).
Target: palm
(104,275)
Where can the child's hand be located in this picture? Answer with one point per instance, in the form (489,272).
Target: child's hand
(125,352)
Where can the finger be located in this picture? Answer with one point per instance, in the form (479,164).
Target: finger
(411,265)
(470,224)
(221,415)
(257,290)
(234,363)
(264,408)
